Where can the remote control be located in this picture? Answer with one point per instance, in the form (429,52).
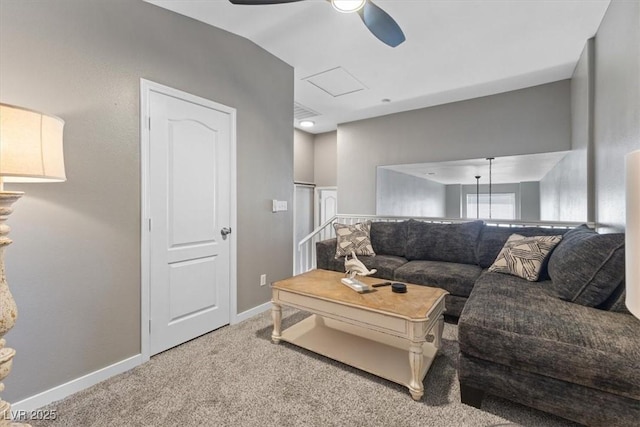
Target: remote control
(356,285)
(379,285)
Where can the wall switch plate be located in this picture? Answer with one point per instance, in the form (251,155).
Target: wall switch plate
(263,279)
(278,205)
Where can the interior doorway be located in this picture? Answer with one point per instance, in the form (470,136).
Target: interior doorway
(188,221)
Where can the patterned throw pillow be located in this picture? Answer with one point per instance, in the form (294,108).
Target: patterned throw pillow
(524,256)
(354,238)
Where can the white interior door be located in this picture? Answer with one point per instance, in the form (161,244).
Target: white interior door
(326,204)
(326,207)
(189,204)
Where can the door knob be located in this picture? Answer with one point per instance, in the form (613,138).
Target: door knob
(225,231)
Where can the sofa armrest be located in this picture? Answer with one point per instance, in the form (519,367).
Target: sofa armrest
(325,253)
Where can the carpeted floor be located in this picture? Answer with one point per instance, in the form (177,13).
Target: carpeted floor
(235,376)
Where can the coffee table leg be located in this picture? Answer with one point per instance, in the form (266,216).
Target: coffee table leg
(276,315)
(437,341)
(415,361)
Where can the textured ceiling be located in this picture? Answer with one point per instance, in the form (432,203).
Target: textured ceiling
(455,49)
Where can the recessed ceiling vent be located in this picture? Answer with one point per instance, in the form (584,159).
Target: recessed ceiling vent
(300,112)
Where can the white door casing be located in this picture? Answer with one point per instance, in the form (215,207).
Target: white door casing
(303,201)
(188,200)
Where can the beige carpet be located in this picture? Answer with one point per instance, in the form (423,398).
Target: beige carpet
(235,376)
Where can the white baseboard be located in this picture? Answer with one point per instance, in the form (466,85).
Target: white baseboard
(60,392)
(74,386)
(251,312)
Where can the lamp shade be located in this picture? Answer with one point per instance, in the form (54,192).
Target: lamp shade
(30,146)
(632,234)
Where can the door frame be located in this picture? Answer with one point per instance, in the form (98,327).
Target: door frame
(146,87)
(295,216)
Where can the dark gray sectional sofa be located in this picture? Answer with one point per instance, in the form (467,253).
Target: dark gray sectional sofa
(565,344)
(448,256)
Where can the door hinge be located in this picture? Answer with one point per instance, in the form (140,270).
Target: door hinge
(149,220)
(149,326)
(149,122)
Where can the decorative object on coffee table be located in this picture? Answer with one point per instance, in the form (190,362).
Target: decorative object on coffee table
(31,151)
(355,267)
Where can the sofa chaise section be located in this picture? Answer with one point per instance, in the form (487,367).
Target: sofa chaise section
(564,345)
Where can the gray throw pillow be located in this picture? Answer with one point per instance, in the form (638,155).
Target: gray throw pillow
(524,256)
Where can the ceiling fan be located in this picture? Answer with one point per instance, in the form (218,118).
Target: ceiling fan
(375,19)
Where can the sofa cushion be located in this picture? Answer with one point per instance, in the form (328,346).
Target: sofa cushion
(524,256)
(443,242)
(353,238)
(326,260)
(492,240)
(457,279)
(385,264)
(617,301)
(586,267)
(585,405)
(389,238)
(325,256)
(517,324)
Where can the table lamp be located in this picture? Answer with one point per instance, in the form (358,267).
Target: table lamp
(30,151)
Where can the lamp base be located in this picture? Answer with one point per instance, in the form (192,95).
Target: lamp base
(9,312)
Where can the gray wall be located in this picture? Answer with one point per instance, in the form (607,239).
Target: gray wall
(303,157)
(453,201)
(74,267)
(326,153)
(617,108)
(566,192)
(532,120)
(400,194)
(530,201)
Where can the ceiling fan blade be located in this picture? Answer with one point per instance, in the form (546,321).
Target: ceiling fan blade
(381,24)
(261,2)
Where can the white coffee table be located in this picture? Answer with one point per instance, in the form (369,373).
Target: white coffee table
(394,336)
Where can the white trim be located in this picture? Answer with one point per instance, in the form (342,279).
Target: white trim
(77,385)
(74,386)
(146,87)
(145,252)
(252,312)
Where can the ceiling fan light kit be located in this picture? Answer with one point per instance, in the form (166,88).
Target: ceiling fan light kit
(347,6)
(379,22)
